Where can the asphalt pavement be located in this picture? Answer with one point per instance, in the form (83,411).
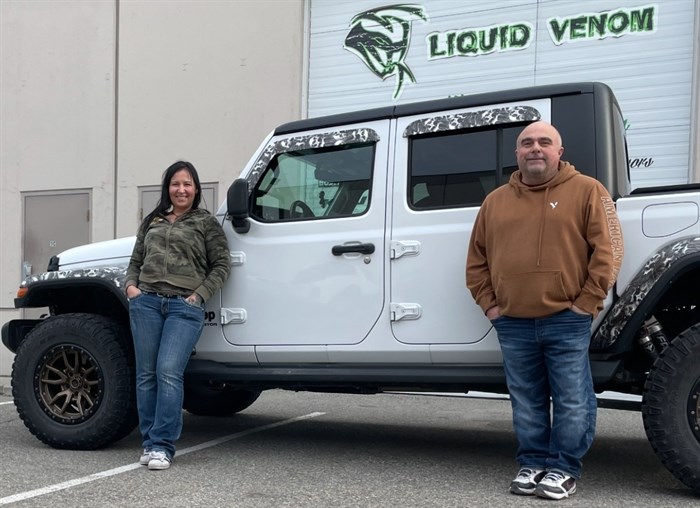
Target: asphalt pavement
(328,450)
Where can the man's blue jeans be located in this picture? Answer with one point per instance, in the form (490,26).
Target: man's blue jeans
(165,330)
(543,358)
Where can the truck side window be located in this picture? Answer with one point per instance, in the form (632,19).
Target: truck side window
(315,183)
(458,169)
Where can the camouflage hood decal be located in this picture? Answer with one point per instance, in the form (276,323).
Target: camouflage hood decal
(113,274)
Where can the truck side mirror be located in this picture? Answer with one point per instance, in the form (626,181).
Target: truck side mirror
(237,201)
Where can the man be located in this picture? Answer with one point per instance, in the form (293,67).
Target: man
(544,252)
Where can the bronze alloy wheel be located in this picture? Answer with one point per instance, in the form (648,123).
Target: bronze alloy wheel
(68,384)
(73,381)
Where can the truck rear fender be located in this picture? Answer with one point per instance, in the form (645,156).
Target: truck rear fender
(668,276)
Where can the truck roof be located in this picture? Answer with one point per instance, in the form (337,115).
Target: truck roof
(464,101)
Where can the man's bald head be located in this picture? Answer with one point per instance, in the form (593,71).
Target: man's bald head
(538,150)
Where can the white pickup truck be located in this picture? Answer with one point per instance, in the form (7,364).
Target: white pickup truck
(348,239)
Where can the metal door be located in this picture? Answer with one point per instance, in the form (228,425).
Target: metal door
(437,193)
(52,223)
(312,273)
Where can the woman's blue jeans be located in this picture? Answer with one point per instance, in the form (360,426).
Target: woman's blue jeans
(543,358)
(165,331)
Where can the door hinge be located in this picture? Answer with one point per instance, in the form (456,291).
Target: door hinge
(233,316)
(404,248)
(406,311)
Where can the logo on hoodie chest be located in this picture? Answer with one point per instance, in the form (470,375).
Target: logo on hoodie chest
(553,204)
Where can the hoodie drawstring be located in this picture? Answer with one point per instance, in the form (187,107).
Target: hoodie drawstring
(542,221)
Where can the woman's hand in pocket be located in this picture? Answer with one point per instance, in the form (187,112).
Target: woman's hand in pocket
(132,292)
(194,299)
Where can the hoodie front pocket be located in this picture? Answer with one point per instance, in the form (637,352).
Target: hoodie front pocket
(530,294)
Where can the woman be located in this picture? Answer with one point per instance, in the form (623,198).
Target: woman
(180,259)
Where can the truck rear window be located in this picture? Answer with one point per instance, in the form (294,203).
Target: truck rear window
(458,169)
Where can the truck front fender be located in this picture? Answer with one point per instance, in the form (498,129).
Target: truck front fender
(619,327)
(43,289)
(93,291)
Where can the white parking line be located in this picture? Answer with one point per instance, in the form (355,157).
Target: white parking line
(123,469)
(8,402)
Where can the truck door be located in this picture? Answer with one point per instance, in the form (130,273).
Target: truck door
(445,164)
(310,271)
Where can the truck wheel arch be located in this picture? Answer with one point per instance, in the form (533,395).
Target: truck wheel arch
(68,295)
(654,282)
(46,293)
(216,399)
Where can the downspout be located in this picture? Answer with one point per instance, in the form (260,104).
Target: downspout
(694,155)
(305,55)
(115,162)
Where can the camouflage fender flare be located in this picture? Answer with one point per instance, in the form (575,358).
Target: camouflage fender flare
(109,277)
(638,289)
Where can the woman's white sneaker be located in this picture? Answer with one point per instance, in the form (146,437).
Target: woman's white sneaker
(145,457)
(159,460)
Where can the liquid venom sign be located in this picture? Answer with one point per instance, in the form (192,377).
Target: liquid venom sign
(381,37)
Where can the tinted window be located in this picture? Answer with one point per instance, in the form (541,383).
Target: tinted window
(315,183)
(457,169)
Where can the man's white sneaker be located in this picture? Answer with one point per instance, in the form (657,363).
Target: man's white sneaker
(526,481)
(556,485)
(159,460)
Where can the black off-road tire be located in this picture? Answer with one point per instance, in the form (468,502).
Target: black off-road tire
(671,407)
(210,399)
(73,382)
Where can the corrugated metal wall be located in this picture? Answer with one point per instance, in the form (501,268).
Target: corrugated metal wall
(643,51)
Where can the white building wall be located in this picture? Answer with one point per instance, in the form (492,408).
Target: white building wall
(203,81)
(650,70)
(95,94)
(695,106)
(56,119)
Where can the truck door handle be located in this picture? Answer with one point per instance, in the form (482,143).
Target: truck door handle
(362,248)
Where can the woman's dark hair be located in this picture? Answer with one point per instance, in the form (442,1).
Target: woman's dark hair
(164,202)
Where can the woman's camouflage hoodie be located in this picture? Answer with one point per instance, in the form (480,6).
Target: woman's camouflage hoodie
(189,255)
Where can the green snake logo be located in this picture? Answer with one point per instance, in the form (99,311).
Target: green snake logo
(380,38)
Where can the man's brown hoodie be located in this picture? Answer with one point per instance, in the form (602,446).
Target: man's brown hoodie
(537,250)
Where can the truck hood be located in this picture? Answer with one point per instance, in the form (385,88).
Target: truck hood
(108,253)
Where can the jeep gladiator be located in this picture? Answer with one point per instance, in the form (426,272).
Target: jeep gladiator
(348,239)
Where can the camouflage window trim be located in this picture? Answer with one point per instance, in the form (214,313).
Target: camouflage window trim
(639,288)
(473,119)
(113,274)
(326,139)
